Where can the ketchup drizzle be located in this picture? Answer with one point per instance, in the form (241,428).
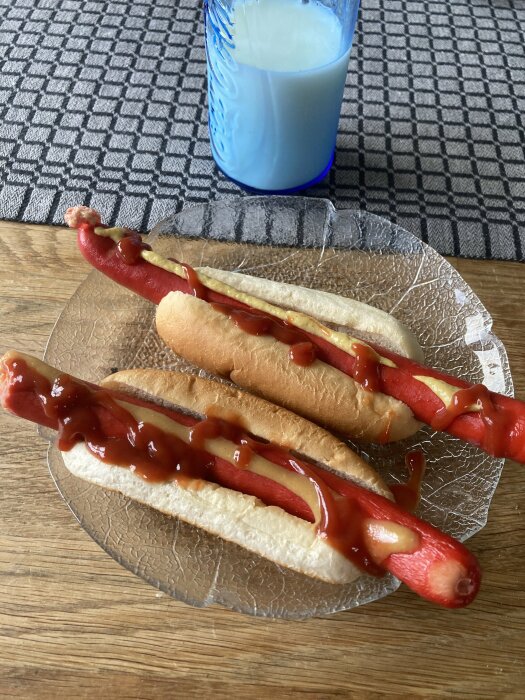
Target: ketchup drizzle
(477,395)
(81,413)
(196,287)
(407,495)
(130,247)
(303,354)
(212,428)
(255,322)
(366,368)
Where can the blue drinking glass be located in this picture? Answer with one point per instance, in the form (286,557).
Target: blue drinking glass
(276,76)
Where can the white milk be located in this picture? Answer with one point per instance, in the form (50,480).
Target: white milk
(274,109)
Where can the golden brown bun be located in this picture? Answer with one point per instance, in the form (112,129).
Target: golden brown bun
(321,393)
(266,530)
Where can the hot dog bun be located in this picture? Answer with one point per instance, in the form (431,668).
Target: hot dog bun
(368,322)
(321,393)
(266,530)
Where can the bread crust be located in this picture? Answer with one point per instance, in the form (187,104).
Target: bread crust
(194,329)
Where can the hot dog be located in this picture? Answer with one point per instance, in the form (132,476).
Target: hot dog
(336,379)
(120,256)
(176,442)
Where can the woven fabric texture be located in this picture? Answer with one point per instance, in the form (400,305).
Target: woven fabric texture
(104,103)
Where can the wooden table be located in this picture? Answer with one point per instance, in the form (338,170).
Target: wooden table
(75,624)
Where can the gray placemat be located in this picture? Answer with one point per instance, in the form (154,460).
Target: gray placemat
(104,103)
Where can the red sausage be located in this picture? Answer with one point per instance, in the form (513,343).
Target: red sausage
(440,569)
(507,439)
(143,278)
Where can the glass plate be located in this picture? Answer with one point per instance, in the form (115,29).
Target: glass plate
(105,327)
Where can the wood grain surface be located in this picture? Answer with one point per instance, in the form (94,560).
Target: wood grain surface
(73,623)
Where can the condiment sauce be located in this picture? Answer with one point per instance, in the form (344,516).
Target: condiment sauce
(342,519)
(196,287)
(130,247)
(366,371)
(213,428)
(367,367)
(242,456)
(384,538)
(302,351)
(494,421)
(407,495)
(302,354)
(258,323)
(82,412)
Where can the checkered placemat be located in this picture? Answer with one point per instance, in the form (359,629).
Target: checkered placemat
(104,103)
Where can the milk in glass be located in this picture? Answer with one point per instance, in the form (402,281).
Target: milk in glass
(277,71)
